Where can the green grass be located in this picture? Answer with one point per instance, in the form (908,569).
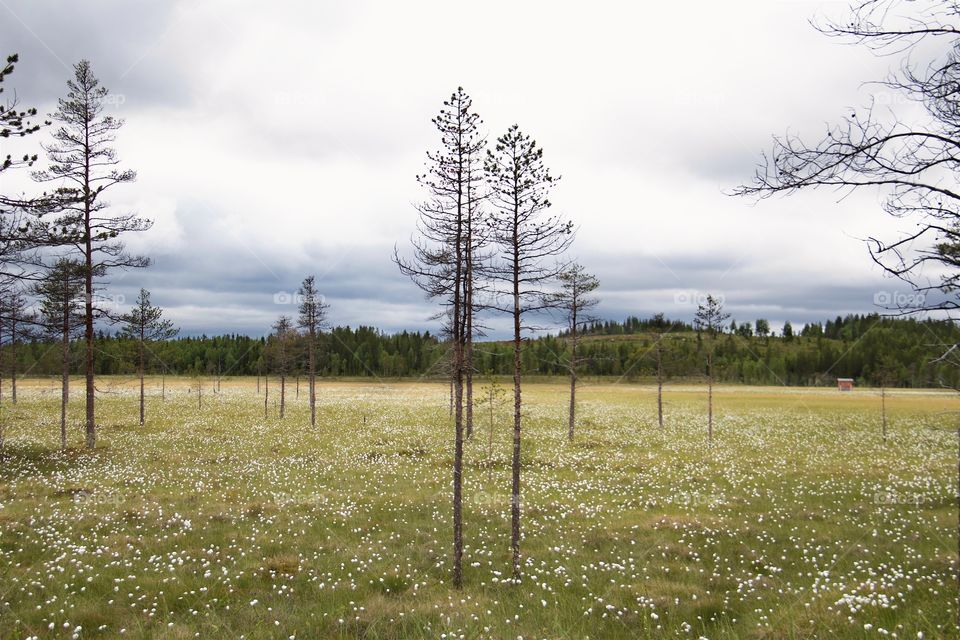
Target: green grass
(798,522)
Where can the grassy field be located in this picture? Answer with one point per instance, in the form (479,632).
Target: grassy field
(799,522)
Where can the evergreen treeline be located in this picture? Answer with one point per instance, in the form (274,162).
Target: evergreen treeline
(869,348)
(343,351)
(632,325)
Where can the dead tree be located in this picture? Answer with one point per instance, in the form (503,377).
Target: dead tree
(60,295)
(710,320)
(660,328)
(145,324)
(14,313)
(85,165)
(280,349)
(884,376)
(575,300)
(658,351)
(440,255)
(911,155)
(312,319)
(528,241)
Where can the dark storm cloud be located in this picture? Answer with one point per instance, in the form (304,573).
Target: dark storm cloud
(245,286)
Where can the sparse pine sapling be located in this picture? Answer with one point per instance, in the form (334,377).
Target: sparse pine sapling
(145,324)
(709,321)
(312,320)
(60,295)
(575,299)
(528,240)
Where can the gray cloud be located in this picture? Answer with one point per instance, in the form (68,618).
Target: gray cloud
(272,144)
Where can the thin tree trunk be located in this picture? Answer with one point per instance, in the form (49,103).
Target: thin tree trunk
(458,482)
(490,434)
(458,344)
(883,410)
(515,484)
(141,383)
(468,330)
(469,393)
(458,448)
(13,360)
(91,428)
(88,291)
(266,395)
(3,361)
(573,371)
(660,387)
(313,378)
(710,398)
(297,392)
(64,378)
(467,302)
(283,393)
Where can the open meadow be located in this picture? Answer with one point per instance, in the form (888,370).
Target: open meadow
(211,521)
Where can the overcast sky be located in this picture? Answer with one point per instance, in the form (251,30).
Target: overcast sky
(276,140)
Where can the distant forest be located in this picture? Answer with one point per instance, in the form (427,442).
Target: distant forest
(869,348)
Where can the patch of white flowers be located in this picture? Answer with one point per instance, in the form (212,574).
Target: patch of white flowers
(219,519)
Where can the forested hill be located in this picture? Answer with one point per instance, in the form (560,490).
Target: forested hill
(869,348)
